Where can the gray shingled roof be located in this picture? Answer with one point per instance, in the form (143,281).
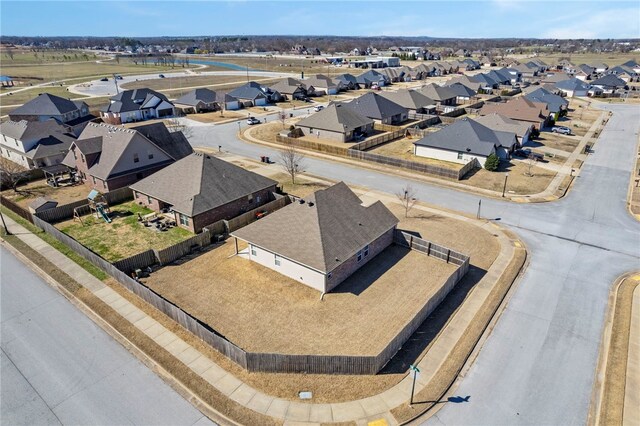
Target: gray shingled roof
(196,96)
(554,102)
(173,143)
(572,84)
(51,145)
(437,93)
(199,183)
(288,86)
(503,124)
(467,135)
(46,104)
(375,106)
(461,90)
(32,130)
(336,118)
(410,99)
(329,228)
(132,100)
(609,80)
(251,90)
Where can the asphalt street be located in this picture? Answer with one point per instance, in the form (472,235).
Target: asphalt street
(539,364)
(58,367)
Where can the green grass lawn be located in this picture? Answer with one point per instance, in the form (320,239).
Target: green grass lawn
(124,236)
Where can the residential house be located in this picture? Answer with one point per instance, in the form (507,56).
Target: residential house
(520,109)
(137,105)
(463,93)
(109,157)
(609,83)
(324,85)
(466,81)
(505,124)
(203,100)
(445,98)
(599,67)
(633,64)
(567,66)
(412,100)
(528,71)
(487,84)
(573,87)
(487,61)
(336,122)
(47,106)
(321,240)
(466,140)
(379,109)
(625,73)
(584,72)
(35,144)
(290,88)
(254,94)
(348,81)
(555,77)
(372,78)
(200,190)
(554,103)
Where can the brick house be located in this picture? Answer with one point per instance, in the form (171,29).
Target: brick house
(111,157)
(200,190)
(137,105)
(322,239)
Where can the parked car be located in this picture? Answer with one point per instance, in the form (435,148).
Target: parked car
(318,108)
(118,77)
(104,79)
(561,129)
(252,120)
(161,76)
(527,153)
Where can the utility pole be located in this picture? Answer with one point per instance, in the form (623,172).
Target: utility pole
(505,184)
(415,370)
(4,225)
(479,206)
(115,80)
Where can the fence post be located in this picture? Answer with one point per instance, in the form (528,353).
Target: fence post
(411,241)
(429,249)
(448,255)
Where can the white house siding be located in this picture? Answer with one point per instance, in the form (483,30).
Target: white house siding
(446,155)
(293,270)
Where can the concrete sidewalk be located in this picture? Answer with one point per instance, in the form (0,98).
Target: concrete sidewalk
(631,413)
(361,411)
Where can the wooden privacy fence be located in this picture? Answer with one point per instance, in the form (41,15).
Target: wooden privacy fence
(378,140)
(65,211)
(250,216)
(430,249)
(16,208)
(269,362)
(315,146)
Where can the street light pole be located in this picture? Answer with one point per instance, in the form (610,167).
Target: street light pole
(4,225)
(415,370)
(504,188)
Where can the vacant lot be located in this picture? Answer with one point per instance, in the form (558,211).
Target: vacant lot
(124,236)
(556,141)
(39,188)
(216,117)
(519,182)
(191,81)
(267,132)
(403,149)
(611,59)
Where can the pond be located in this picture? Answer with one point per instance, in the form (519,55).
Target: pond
(231,66)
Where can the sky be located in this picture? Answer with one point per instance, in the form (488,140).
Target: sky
(453,18)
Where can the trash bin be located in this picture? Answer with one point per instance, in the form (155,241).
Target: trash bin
(267,160)
(262,158)
(291,115)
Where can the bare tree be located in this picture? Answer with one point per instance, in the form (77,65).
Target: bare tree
(407,197)
(531,160)
(174,125)
(12,173)
(292,161)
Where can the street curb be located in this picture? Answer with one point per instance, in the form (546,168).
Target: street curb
(631,182)
(147,360)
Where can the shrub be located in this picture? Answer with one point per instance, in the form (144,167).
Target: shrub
(492,163)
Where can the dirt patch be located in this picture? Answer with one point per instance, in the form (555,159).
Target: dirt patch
(39,188)
(124,236)
(519,181)
(243,301)
(615,374)
(403,149)
(267,132)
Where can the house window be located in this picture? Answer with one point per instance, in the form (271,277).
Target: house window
(277,260)
(136,159)
(365,251)
(148,200)
(184,220)
(250,197)
(459,156)
(359,256)
(329,276)
(151,156)
(253,251)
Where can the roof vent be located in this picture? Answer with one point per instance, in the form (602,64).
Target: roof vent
(310,204)
(301,201)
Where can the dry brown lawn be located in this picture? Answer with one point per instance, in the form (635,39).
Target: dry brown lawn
(518,181)
(301,188)
(39,188)
(564,143)
(403,149)
(581,116)
(267,132)
(189,81)
(244,301)
(216,117)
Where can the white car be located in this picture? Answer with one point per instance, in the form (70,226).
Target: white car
(318,108)
(252,120)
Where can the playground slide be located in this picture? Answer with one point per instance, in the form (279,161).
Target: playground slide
(103,214)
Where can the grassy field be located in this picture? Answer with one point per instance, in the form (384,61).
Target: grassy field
(28,57)
(518,181)
(192,81)
(556,141)
(301,188)
(611,59)
(265,63)
(124,236)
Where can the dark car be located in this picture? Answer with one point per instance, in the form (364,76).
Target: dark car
(161,76)
(104,79)
(118,77)
(252,120)
(527,153)
(561,129)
